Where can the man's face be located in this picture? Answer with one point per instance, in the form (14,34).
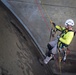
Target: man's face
(68,26)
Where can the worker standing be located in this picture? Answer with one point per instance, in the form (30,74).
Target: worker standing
(62,41)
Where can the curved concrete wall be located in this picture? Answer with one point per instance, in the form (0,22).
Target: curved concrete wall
(18,55)
(32,15)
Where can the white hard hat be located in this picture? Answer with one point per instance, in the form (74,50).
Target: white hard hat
(69,22)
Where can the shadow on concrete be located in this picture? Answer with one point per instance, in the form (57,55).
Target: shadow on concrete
(26,39)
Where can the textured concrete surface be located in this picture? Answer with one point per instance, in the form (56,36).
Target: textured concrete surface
(33,14)
(18,56)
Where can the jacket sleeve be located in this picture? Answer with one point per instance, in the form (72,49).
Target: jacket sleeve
(67,38)
(59,28)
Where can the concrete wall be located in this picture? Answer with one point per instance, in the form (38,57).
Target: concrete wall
(18,55)
(34,16)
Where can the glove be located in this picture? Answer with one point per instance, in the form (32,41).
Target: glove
(52,23)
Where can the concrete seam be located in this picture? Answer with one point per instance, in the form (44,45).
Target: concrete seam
(9,7)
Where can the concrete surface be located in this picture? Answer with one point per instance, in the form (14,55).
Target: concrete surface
(33,14)
(18,55)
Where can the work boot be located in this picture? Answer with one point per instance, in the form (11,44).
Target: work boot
(64,59)
(47,59)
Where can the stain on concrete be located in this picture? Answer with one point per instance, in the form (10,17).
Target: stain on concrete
(18,56)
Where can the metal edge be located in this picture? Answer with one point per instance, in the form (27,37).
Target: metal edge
(9,7)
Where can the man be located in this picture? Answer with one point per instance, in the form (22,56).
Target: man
(62,41)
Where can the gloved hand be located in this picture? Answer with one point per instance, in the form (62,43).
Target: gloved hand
(51,21)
